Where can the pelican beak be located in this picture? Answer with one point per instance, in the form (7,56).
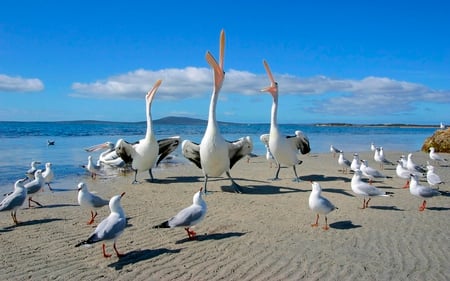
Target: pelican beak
(96,147)
(152,92)
(219,74)
(273,88)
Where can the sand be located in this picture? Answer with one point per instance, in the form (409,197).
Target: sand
(265,234)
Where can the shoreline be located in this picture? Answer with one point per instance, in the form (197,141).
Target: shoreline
(264,234)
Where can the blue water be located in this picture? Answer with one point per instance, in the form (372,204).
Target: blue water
(23,142)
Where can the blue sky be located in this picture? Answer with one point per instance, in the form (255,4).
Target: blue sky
(335,61)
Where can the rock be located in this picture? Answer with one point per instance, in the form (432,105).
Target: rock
(440,140)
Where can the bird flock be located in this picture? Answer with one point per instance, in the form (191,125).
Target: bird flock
(215,156)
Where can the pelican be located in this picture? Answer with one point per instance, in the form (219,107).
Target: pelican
(148,152)
(215,155)
(109,156)
(284,148)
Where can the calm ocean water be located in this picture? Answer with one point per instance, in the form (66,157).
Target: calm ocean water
(23,142)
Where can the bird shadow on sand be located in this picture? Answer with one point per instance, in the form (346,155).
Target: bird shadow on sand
(438,208)
(263,189)
(140,255)
(444,193)
(55,206)
(212,236)
(320,178)
(344,225)
(33,222)
(337,190)
(388,208)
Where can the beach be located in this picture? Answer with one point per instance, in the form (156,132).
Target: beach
(263,234)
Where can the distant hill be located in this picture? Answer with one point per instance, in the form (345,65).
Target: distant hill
(173,120)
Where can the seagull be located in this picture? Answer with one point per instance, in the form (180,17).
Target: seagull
(344,162)
(48,174)
(423,192)
(433,179)
(110,228)
(283,148)
(215,155)
(436,157)
(93,168)
(109,156)
(89,200)
(33,169)
(355,165)
(34,186)
(370,172)
(319,204)
(334,150)
(373,147)
(265,139)
(442,126)
(14,200)
(364,189)
(380,158)
(413,167)
(189,216)
(148,152)
(403,173)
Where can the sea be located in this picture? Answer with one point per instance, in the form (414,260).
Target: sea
(24,142)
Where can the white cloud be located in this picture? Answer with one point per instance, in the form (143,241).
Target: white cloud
(19,84)
(366,95)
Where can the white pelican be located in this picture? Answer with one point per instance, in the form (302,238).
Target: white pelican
(110,228)
(146,153)
(215,155)
(283,148)
(189,216)
(109,156)
(14,200)
(319,204)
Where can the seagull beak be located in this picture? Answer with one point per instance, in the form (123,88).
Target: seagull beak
(121,195)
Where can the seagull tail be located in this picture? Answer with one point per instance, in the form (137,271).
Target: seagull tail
(162,225)
(82,243)
(390,193)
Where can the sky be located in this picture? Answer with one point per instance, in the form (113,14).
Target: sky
(335,61)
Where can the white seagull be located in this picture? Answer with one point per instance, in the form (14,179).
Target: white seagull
(283,148)
(90,201)
(364,189)
(370,172)
(334,150)
(433,179)
(34,186)
(436,157)
(319,204)
(423,192)
(13,201)
(48,174)
(215,155)
(373,147)
(344,162)
(189,216)
(413,167)
(381,158)
(269,157)
(403,173)
(33,169)
(148,152)
(93,168)
(110,228)
(355,165)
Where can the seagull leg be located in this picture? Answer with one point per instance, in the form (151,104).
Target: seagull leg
(104,251)
(317,221)
(119,255)
(406,184)
(237,187)
(190,233)
(364,204)
(423,206)
(367,202)
(92,217)
(49,187)
(31,200)
(326,227)
(13,215)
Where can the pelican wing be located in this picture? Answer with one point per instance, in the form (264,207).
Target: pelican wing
(238,149)
(191,151)
(167,146)
(300,141)
(125,150)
